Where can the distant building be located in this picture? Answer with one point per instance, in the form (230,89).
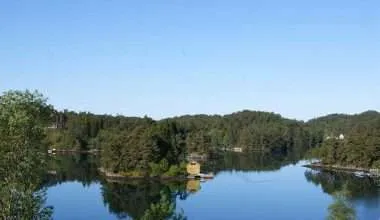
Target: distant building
(53,126)
(340,137)
(237,149)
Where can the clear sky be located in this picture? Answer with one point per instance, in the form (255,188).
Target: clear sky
(170,57)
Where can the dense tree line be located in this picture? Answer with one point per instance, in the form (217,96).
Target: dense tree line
(350,140)
(143,144)
(130,143)
(250,130)
(153,146)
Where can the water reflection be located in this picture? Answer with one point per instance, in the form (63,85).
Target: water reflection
(361,189)
(193,186)
(260,162)
(72,167)
(134,198)
(124,199)
(139,199)
(84,167)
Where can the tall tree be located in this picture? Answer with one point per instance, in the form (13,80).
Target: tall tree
(23,117)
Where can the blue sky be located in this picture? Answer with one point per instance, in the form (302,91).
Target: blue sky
(301,59)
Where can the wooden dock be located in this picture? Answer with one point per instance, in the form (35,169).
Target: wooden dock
(201,176)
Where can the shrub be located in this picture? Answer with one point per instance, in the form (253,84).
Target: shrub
(173,171)
(155,169)
(376,164)
(176,170)
(164,165)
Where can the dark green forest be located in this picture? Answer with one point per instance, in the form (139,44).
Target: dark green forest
(131,143)
(142,144)
(146,145)
(360,146)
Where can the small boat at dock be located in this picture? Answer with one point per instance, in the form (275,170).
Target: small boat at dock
(206,176)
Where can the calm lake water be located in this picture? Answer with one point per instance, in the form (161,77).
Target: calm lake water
(245,187)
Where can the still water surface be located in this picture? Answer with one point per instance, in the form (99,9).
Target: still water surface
(245,187)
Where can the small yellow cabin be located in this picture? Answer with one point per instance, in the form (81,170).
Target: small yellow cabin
(193,168)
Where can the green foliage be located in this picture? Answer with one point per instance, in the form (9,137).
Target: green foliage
(130,143)
(376,164)
(121,197)
(164,209)
(341,209)
(164,165)
(24,116)
(361,145)
(155,169)
(142,148)
(176,170)
(163,169)
(250,130)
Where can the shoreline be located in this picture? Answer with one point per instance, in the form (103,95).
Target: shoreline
(94,151)
(115,176)
(348,169)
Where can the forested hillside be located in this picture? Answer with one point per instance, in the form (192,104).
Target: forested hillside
(249,130)
(137,143)
(350,140)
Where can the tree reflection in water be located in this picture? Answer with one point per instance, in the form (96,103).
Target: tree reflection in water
(260,162)
(126,199)
(332,182)
(67,167)
(143,198)
(346,189)
(135,198)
